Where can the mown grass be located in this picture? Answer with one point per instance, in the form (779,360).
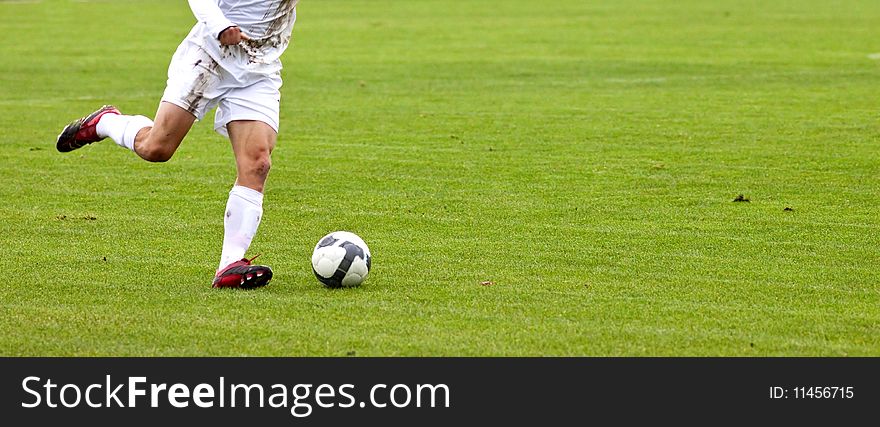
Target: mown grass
(580,155)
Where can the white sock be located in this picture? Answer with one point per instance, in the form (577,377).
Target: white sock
(243,213)
(122,129)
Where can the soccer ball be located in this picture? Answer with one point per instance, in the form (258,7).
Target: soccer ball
(341,260)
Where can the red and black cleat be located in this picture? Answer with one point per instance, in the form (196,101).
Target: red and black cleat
(83,131)
(242,274)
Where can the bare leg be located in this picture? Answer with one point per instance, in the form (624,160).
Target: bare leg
(252,144)
(158,143)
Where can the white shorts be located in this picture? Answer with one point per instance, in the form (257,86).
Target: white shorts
(197,84)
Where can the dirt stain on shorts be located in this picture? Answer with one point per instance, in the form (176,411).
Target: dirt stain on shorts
(206,75)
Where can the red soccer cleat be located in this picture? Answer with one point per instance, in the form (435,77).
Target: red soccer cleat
(83,131)
(242,274)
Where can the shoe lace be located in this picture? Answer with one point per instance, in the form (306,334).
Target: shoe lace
(252,259)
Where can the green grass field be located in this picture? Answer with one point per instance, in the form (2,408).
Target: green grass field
(583,155)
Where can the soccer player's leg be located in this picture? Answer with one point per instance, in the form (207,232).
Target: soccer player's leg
(252,143)
(248,115)
(192,89)
(159,142)
(153,141)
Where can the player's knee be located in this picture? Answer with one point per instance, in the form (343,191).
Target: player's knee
(156,152)
(157,149)
(261,164)
(258,163)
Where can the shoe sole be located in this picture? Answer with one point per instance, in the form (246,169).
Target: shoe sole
(252,276)
(67,139)
(261,277)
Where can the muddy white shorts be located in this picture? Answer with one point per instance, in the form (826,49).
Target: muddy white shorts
(197,83)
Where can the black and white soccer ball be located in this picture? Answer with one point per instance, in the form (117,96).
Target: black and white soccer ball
(341,260)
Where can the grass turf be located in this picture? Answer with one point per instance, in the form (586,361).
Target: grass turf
(581,155)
